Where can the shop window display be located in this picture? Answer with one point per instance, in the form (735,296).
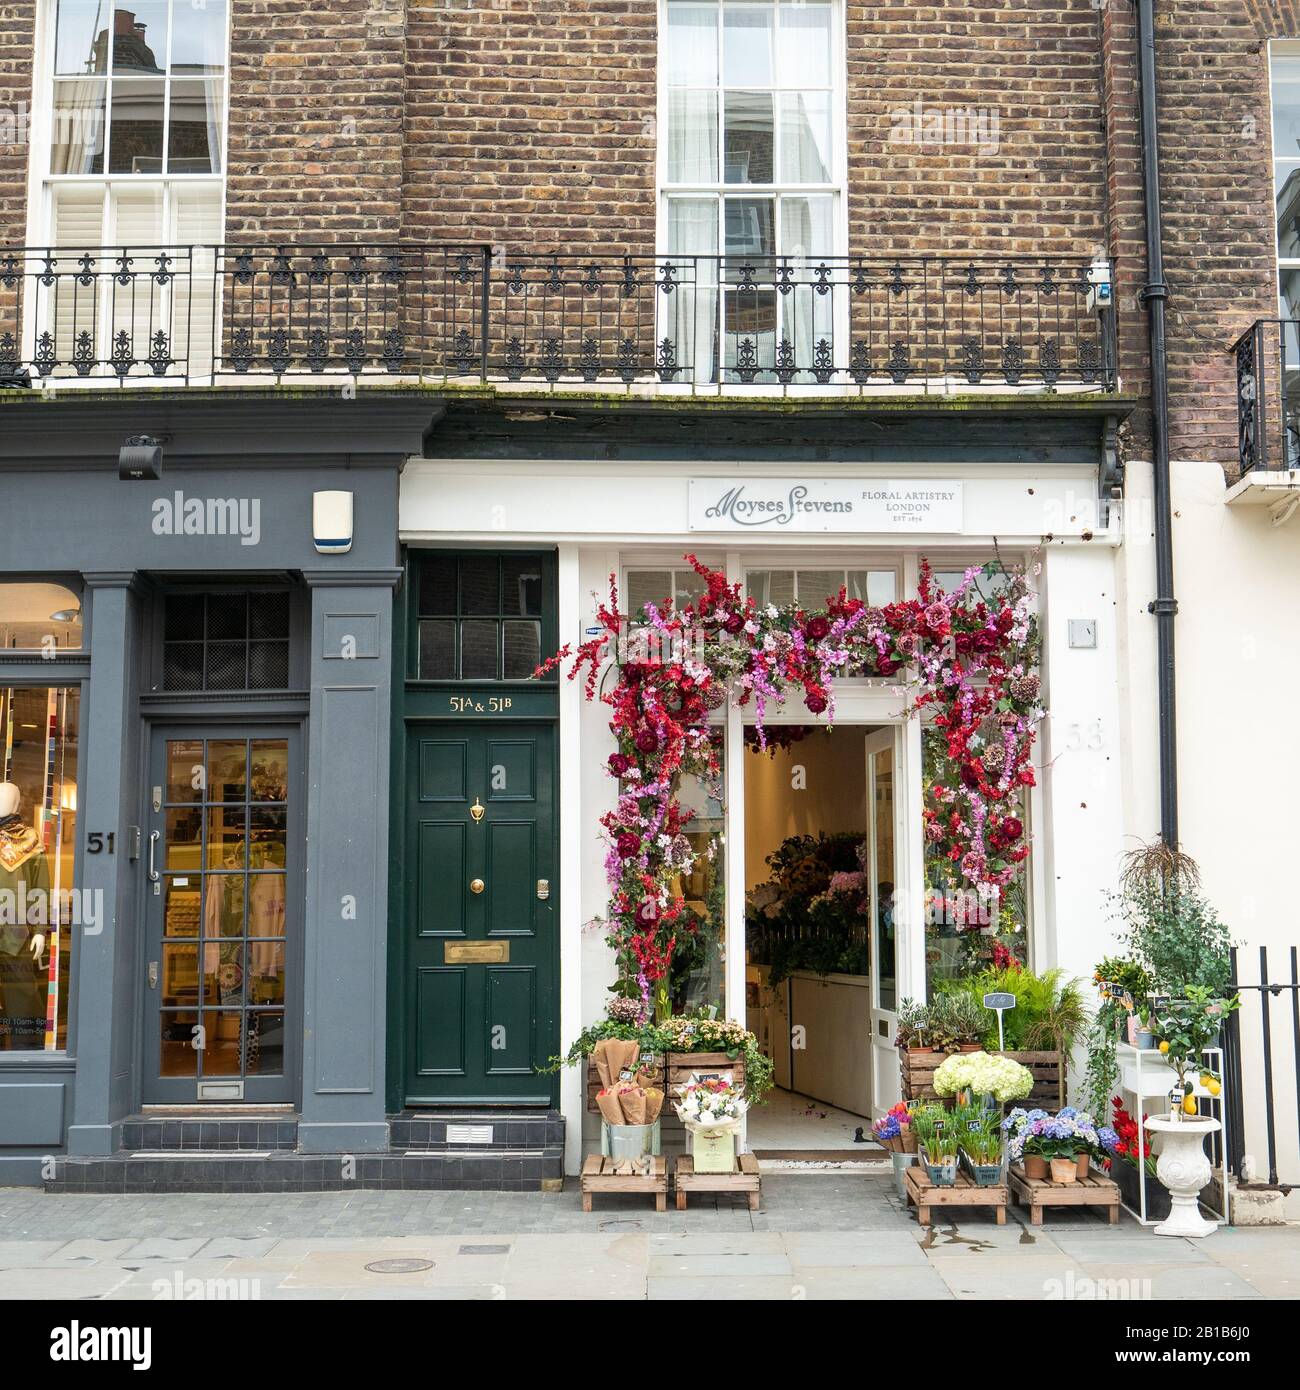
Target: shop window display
(39,617)
(38,908)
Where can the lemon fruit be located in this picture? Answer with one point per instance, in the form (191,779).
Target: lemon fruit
(1164,1047)
(1189,1105)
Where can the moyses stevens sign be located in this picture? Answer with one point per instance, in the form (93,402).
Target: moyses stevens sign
(856,505)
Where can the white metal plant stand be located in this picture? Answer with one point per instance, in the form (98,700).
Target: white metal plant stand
(1144,1073)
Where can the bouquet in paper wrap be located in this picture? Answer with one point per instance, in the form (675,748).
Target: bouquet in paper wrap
(629,1104)
(710,1105)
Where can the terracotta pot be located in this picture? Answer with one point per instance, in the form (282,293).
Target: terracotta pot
(970,1047)
(918,1047)
(1065,1170)
(1035,1166)
(1083,1161)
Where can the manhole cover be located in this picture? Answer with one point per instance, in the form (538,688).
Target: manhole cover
(484,1249)
(399,1266)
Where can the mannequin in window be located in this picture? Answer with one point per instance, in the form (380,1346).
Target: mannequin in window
(24,910)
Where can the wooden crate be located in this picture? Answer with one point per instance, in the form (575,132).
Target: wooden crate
(677,1067)
(1092,1191)
(598,1176)
(925,1196)
(917,1071)
(746,1180)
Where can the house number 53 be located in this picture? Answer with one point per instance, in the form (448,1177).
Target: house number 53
(1086,734)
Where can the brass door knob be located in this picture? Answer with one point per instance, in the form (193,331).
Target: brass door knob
(476,885)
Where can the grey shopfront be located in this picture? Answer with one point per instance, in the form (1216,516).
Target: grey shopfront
(194,766)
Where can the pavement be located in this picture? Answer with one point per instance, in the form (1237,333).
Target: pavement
(823,1236)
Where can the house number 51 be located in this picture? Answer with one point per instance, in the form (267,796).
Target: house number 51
(97,842)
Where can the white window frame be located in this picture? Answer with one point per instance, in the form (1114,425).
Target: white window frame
(721,190)
(41,182)
(1279,48)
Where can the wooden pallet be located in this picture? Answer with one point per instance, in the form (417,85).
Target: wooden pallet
(598,1176)
(1092,1191)
(677,1068)
(917,1069)
(746,1179)
(925,1195)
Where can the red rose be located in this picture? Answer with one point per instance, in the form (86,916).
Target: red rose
(734,623)
(619,763)
(648,912)
(647,740)
(1011,828)
(815,701)
(628,844)
(818,628)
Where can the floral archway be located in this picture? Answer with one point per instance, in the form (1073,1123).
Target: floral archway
(970,658)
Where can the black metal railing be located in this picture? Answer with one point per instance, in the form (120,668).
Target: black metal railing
(1268,395)
(202,313)
(858,322)
(1262,1041)
(438,312)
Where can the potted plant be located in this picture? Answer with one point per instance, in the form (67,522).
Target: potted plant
(1185,1028)
(995,1079)
(964,1021)
(894,1131)
(1058,1146)
(1143,1035)
(913,1033)
(1119,1142)
(979,1137)
(937,1144)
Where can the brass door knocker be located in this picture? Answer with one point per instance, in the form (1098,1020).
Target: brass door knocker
(477,811)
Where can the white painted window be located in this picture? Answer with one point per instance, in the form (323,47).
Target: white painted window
(1284,62)
(130,155)
(751,167)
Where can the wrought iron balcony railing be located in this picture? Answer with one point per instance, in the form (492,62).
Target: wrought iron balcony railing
(1268,395)
(672,323)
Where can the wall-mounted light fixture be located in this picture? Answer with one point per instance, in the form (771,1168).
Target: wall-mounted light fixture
(140,459)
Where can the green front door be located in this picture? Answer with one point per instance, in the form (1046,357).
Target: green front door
(481,951)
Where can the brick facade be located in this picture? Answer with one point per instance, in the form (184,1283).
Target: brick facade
(316,112)
(533,126)
(17,40)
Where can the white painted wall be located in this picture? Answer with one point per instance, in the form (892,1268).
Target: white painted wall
(1237,638)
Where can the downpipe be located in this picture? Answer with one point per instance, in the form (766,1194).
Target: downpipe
(1153,297)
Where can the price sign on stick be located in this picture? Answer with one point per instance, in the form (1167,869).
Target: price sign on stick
(1000,1003)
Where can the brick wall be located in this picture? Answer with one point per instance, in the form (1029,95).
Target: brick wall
(17,38)
(531,123)
(1033,68)
(1216,203)
(316,116)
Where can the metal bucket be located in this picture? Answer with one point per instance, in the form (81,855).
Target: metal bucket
(629,1141)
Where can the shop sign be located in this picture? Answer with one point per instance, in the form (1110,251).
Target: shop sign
(851,505)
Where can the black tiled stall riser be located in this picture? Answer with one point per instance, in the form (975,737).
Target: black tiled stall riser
(513,1170)
(209,1136)
(510,1130)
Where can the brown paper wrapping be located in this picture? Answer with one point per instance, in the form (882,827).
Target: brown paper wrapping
(633,1101)
(654,1103)
(610,1107)
(622,1057)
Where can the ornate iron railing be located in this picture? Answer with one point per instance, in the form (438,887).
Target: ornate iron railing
(1268,395)
(225,313)
(708,322)
(680,323)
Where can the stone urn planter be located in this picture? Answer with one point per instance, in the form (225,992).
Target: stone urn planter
(1184,1169)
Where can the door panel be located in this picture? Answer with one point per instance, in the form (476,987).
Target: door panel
(480,933)
(223,911)
(882,751)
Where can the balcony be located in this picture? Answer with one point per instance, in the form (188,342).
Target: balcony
(1268,417)
(451,314)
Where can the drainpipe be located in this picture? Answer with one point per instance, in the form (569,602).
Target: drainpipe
(1153,295)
